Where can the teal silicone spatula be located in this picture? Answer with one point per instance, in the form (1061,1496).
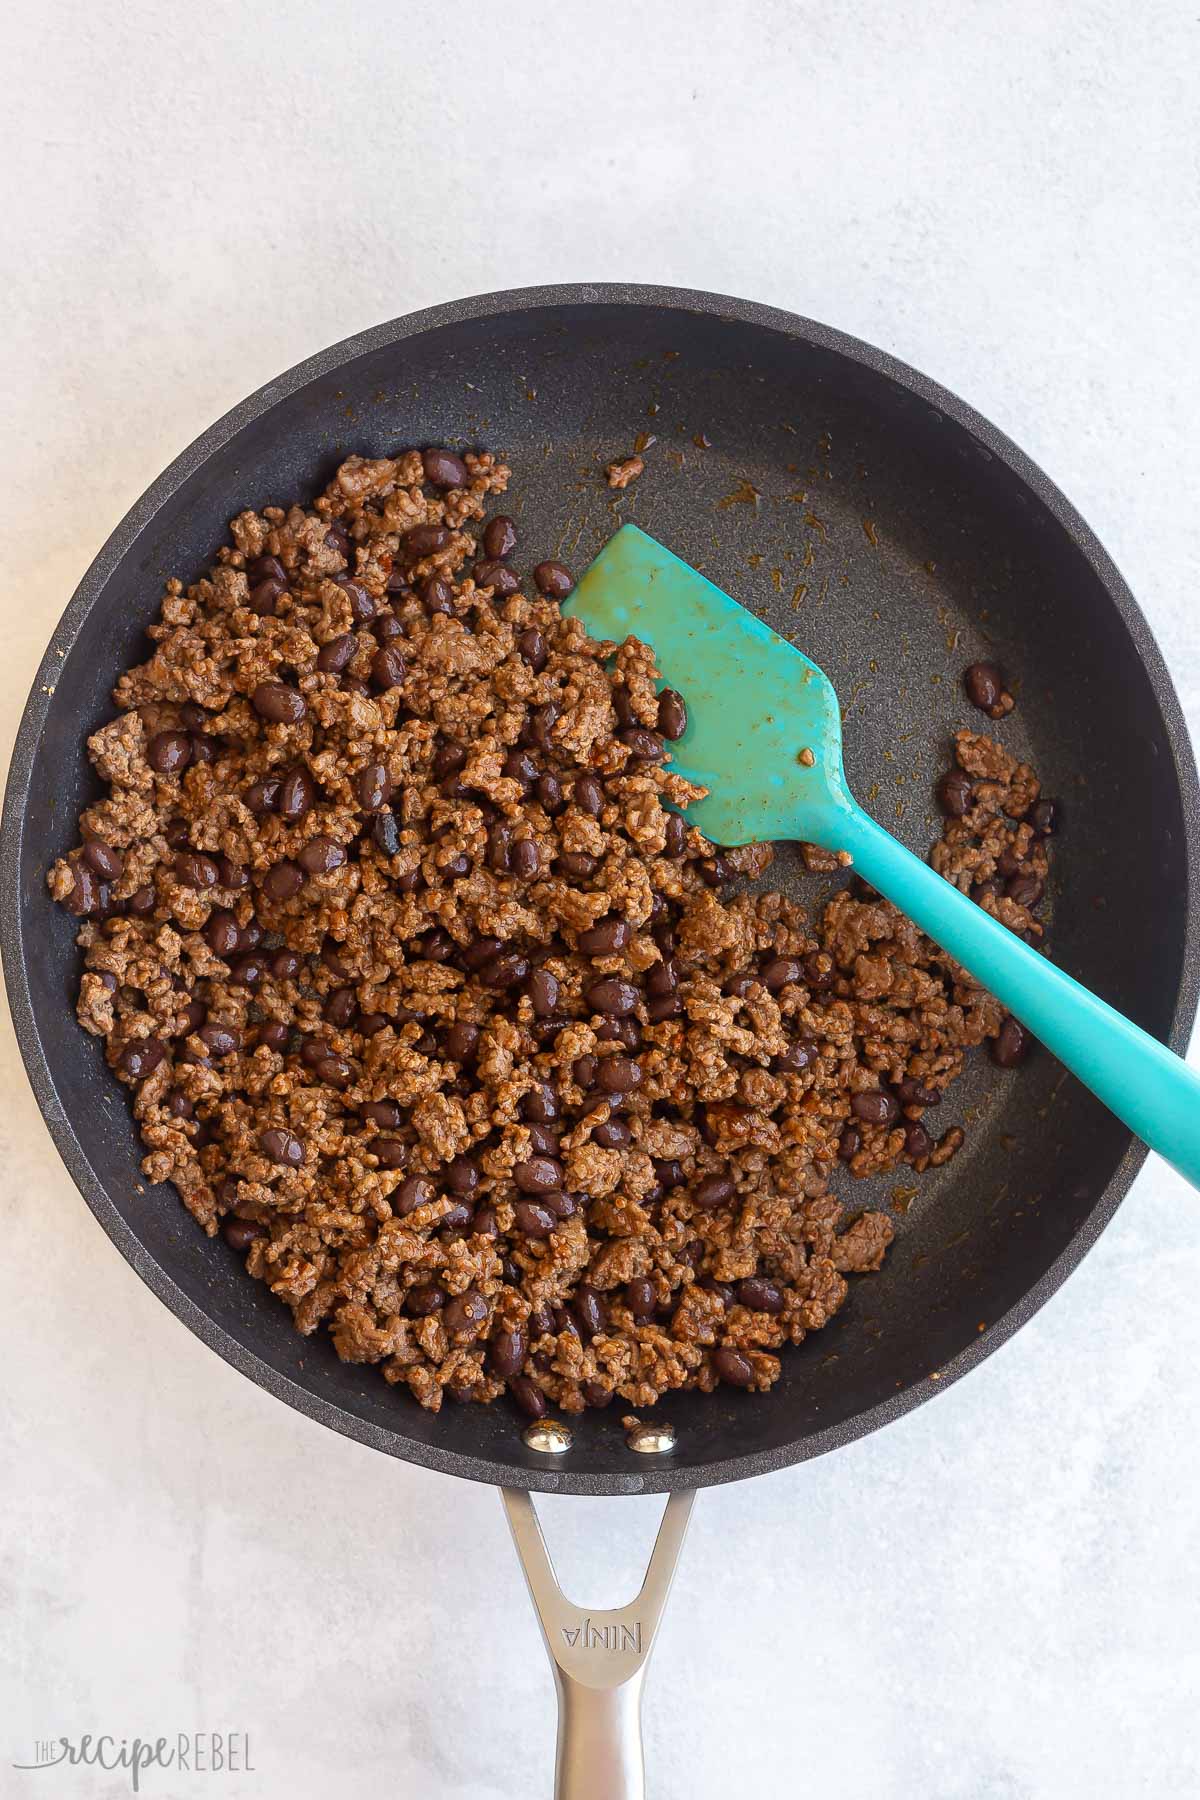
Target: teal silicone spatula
(764,736)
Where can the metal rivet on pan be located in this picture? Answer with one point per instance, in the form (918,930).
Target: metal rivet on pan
(548,1436)
(651,1440)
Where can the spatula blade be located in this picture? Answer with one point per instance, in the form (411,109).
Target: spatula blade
(758,709)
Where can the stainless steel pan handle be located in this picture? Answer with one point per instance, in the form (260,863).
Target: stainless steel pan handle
(599,1658)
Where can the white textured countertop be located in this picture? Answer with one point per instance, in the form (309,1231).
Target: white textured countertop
(996,1599)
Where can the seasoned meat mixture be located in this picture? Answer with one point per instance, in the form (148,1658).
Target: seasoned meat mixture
(430,1002)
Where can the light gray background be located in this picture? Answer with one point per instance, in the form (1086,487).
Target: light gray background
(997,1598)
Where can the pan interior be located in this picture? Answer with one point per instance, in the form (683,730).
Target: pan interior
(893,547)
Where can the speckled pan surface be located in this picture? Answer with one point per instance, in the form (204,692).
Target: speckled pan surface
(895,535)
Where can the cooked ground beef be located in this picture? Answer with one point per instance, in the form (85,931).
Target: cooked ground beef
(430,1004)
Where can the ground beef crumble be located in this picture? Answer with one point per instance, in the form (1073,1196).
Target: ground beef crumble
(439,1014)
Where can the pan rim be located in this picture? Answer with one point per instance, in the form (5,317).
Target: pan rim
(667,300)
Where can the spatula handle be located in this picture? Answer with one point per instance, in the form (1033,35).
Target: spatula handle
(1150,1088)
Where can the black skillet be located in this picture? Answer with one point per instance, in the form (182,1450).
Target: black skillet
(896,536)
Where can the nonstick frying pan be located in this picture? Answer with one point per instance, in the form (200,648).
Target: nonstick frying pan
(880,523)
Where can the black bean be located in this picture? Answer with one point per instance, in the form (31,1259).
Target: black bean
(620,1031)
(1043,817)
(611,996)
(508,969)
(195,870)
(554,580)
(525,860)
(584,1070)
(372,786)
(520,767)
(543,1140)
(425,1298)
(781,972)
(1025,890)
(333,656)
(437,596)
(248,970)
(563,1206)
(386,627)
(641,1297)
(507,1352)
(416,1191)
(618,1075)
(222,933)
(340,1007)
(385,834)
(103,860)
(661,1007)
(528,1396)
(760,1295)
(538,1174)
(296,794)
(220,1040)
(392,1153)
(672,714)
(260,568)
(476,954)
(169,752)
(590,1311)
(321,855)
(540,1103)
(456,1218)
(539,724)
(142,901)
(532,647)
(283,1147)
(589,795)
(574,865)
(875,1107)
(849,1143)
(1011,1045)
(283,880)
(274,1035)
(499,537)
(336,1070)
(643,745)
(956,793)
(264,594)
(465,1316)
(363,605)
(462,1042)
(497,576)
(462,1176)
(141,1057)
(176,832)
(193,1016)
(676,835)
(435,945)
(712,1191)
(611,934)
(204,749)
(179,1105)
(278,704)
(984,684)
(486,1224)
(914,1093)
(338,538)
(384,1113)
(713,871)
(798,1056)
(239,1234)
(232,875)
(387,667)
(917,1141)
(263,796)
(669,1172)
(733,1367)
(533,1219)
(443,469)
